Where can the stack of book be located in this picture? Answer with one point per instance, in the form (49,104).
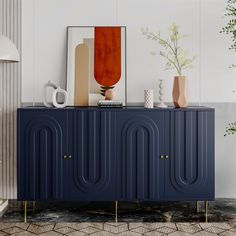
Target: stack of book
(110,103)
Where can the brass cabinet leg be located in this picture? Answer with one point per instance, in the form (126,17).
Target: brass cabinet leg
(25,212)
(116,211)
(206,210)
(34,205)
(197,206)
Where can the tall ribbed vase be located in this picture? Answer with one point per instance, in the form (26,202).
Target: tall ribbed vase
(180,92)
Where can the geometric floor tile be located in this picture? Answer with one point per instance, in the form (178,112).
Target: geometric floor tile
(141,230)
(115,229)
(187,228)
(179,233)
(165,230)
(215,230)
(35,228)
(119,229)
(12,230)
(64,230)
(228,233)
(218,225)
(89,230)
(154,233)
(76,233)
(204,233)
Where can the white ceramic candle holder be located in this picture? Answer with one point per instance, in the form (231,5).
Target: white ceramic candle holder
(161,95)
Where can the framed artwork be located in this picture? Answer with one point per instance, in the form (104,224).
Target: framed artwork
(96,61)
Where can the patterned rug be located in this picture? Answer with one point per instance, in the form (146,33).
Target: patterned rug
(122,229)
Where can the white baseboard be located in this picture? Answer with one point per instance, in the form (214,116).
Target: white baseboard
(3,205)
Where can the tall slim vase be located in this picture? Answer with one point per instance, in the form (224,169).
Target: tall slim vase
(180,91)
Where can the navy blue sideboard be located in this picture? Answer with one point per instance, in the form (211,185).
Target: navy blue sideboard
(127,154)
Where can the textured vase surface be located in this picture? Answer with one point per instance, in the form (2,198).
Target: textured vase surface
(180,91)
(148,98)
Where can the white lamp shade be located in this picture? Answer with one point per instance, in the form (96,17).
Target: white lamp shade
(8,50)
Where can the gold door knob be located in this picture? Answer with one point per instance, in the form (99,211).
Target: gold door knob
(167,156)
(162,157)
(65,156)
(70,157)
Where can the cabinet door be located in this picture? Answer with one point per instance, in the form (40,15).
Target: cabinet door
(42,137)
(92,169)
(140,142)
(189,172)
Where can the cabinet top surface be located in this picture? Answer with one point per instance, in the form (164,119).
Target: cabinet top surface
(128,108)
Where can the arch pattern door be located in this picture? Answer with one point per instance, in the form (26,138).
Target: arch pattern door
(41,145)
(92,171)
(141,142)
(189,172)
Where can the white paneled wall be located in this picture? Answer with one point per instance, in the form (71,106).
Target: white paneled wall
(10,94)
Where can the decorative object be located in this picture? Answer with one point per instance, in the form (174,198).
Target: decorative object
(161,95)
(48,85)
(54,98)
(110,94)
(96,62)
(109,103)
(8,50)
(229,29)
(148,98)
(155,149)
(180,92)
(176,59)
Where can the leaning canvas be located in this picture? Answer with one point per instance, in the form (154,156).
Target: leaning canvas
(96,61)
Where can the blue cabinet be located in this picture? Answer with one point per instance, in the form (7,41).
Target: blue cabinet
(42,142)
(189,170)
(92,168)
(140,143)
(92,154)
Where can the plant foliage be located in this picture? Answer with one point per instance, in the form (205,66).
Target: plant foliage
(230,129)
(230,28)
(176,57)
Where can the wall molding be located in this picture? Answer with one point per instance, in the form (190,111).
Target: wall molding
(10,97)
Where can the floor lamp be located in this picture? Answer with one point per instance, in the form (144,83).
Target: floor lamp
(8,54)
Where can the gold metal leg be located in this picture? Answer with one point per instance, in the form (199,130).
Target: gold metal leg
(25,212)
(206,210)
(116,211)
(34,206)
(197,206)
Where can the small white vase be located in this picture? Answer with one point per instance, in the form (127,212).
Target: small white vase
(54,98)
(148,98)
(48,85)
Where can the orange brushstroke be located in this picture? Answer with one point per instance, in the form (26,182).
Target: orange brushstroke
(107,55)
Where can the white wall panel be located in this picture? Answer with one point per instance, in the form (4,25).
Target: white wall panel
(10,97)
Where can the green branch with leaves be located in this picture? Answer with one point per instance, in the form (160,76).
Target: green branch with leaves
(230,28)
(230,129)
(176,57)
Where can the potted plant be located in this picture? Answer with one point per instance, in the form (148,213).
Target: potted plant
(177,59)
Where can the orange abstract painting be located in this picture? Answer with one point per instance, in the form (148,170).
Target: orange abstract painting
(107,55)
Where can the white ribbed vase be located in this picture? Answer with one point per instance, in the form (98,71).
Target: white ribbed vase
(148,98)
